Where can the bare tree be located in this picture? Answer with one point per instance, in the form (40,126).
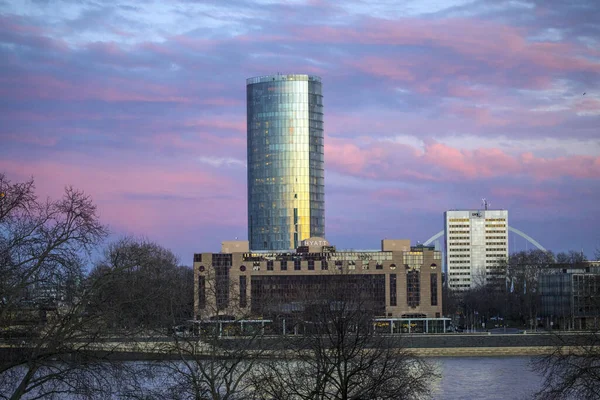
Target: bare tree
(211,357)
(571,257)
(524,269)
(340,356)
(481,304)
(572,370)
(144,290)
(48,339)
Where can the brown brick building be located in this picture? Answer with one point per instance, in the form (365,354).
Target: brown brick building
(400,281)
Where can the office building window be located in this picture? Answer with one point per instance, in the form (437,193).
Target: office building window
(201,292)
(222,287)
(243,301)
(413,289)
(284,265)
(434,290)
(393,291)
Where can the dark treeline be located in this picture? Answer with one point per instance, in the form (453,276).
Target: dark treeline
(57,304)
(515,299)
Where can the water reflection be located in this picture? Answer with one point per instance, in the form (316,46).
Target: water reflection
(485,378)
(459,378)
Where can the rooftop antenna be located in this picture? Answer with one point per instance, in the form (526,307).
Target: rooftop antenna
(485,204)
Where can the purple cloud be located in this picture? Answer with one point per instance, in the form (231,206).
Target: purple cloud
(428,106)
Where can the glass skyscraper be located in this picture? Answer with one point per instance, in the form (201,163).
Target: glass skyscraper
(286,197)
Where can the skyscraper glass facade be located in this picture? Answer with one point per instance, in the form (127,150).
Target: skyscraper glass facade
(286,199)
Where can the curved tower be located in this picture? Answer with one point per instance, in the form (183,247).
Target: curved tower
(286,197)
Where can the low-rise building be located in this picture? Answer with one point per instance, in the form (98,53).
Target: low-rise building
(570,295)
(399,281)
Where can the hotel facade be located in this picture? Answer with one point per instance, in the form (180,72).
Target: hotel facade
(476,247)
(399,281)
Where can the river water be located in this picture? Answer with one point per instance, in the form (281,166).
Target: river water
(485,378)
(459,378)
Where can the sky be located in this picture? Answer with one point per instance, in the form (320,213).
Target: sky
(429,105)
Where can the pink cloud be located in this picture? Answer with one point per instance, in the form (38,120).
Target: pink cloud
(481,115)
(110,49)
(202,143)
(193,43)
(439,162)
(25,34)
(575,166)
(30,138)
(459,89)
(486,41)
(121,32)
(234,123)
(221,101)
(157,48)
(139,198)
(106,89)
(588,106)
(394,69)
(501,48)
(345,156)
(15,25)
(534,197)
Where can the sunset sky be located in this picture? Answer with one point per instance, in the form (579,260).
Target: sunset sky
(429,105)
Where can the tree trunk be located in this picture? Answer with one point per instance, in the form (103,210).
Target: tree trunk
(20,391)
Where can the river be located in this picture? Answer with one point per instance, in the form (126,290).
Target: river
(485,378)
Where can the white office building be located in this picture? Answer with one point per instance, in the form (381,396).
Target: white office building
(476,247)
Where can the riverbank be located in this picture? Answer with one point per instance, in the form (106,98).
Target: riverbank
(483,351)
(425,345)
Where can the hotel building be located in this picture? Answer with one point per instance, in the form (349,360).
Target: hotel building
(286,195)
(476,247)
(399,281)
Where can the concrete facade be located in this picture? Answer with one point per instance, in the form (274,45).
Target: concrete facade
(476,247)
(403,283)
